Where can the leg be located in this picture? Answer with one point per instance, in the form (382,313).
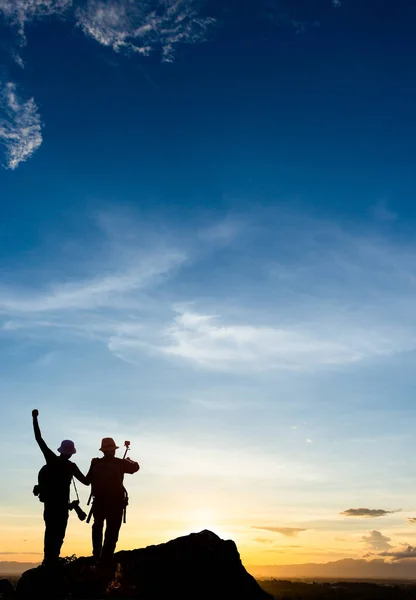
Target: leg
(97,532)
(56,520)
(114,517)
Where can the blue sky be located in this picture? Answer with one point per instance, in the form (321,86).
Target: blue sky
(207,247)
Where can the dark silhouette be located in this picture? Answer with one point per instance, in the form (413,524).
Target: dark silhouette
(200,566)
(110,498)
(53,489)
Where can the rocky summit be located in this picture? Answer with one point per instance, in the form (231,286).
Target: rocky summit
(199,566)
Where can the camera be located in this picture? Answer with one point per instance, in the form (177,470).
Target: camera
(74,505)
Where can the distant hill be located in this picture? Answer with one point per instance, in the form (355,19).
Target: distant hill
(347,568)
(15,568)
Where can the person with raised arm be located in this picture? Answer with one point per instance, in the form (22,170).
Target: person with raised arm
(53,489)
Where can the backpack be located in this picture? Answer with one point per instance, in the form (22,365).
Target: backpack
(107,481)
(53,481)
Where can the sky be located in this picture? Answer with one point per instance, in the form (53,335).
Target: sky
(207,247)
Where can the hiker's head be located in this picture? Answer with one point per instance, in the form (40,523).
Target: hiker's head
(108,446)
(67,448)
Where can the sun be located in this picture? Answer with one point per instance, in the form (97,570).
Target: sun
(205,518)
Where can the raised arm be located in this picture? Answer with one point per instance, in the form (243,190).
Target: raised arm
(47,452)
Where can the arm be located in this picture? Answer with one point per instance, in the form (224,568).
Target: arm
(38,436)
(88,477)
(82,478)
(130,466)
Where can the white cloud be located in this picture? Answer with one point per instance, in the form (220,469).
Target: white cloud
(20,131)
(352,300)
(143,26)
(20,12)
(376,541)
(206,341)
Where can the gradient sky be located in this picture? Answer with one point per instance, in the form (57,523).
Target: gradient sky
(207,246)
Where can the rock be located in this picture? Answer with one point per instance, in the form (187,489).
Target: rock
(6,589)
(200,566)
(43,583)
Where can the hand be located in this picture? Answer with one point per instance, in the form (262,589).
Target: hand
(35,413)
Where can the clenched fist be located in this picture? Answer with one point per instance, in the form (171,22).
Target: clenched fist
(35,413)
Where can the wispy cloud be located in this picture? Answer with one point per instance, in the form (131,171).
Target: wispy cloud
(21,12)
(20,130)
(286,531)
(368,513)
(143,27)
(335,299)
(96,292)
(376,541)
(208,341)
(412,520)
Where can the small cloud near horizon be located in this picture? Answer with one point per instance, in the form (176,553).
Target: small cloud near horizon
(368,513)
(5,553)
(399,553)
(286,531)
(376,541)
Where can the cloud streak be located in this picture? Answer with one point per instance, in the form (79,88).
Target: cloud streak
(5,553)
(368,513)
(209,342)
(20,130)
(399,553)
(320,315)
(96,292)
(286,531)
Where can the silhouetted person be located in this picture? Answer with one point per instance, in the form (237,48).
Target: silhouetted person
(54,491)
(106,476)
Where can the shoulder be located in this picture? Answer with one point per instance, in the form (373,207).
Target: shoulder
(50,457)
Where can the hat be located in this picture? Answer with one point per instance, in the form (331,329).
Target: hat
(108,444)
(67,447)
